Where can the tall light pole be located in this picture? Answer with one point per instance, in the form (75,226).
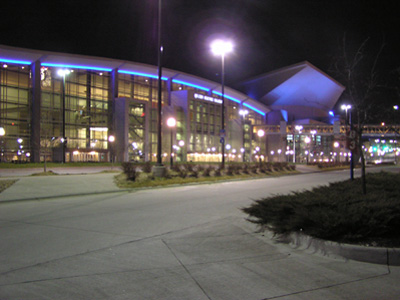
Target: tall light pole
(171,123)
(260,134)
(111,140)
(243,113)
(298,128)
(307,140)
(347,107)
(160,172)
(220,47)
(2,133)
(63,73)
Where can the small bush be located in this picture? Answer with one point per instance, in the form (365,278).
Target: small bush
(147,167)
(200,168)
(189,167)
(253,169)
(129,170)
(183,173)
(194,173)
(207,171)
(176,168)
(246,169)
(218,172)
(231,170)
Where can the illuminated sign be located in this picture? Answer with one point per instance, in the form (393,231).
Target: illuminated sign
(207,98)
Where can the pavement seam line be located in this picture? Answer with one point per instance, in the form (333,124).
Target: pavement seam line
(327,286)
(186,270)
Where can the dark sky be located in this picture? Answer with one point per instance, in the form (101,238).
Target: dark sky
(268,34)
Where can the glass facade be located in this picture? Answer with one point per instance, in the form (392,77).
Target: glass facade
(73,115)
(15,116)
(84,114)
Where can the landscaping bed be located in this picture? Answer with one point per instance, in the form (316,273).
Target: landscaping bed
(140,175)
(338,212)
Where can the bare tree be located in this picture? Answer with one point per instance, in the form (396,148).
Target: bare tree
(47,139)
(356,68)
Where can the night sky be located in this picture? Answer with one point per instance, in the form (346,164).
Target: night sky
(268,34)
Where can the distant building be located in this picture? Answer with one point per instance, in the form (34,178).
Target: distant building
(108,97)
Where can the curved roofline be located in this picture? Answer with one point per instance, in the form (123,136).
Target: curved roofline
(286,68)
(65,60)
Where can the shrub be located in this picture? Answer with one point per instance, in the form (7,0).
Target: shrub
(176,168)
(129,170)
(231,170)
(253,168)
(189,167)
(194,173)
(147,167)
(245,169)
(183,173)
(218,172)
(338,212)
(207,171)
(199,168)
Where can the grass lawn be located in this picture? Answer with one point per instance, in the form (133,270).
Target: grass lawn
(4,184)
(338,212)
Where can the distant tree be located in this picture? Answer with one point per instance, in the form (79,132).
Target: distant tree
(47,139)
(356,69)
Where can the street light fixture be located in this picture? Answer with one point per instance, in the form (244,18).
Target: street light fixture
(2,133)
(243,113)
(298,128)
(260,134)
(171,123)
(220,47)
(347,107)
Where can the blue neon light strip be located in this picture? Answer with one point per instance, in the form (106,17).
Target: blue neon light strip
(255,109)
(238,101)
(226,96)
(14,61)
(76,67)
(191,85)
(141,74)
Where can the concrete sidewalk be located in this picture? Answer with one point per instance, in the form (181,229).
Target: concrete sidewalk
(41,187)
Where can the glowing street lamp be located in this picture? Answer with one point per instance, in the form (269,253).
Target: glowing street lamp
(171,123)
(243,113)
(221,48)
(346,107)
(260,134)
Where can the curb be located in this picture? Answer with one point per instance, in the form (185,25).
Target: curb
(375,255)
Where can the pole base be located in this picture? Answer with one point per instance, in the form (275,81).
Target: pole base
(159,171)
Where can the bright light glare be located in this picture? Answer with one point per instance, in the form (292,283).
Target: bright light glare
(171,122)
(220,47)
(346,107)
(63,72)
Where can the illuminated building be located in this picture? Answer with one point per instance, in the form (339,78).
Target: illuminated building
(109,97)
